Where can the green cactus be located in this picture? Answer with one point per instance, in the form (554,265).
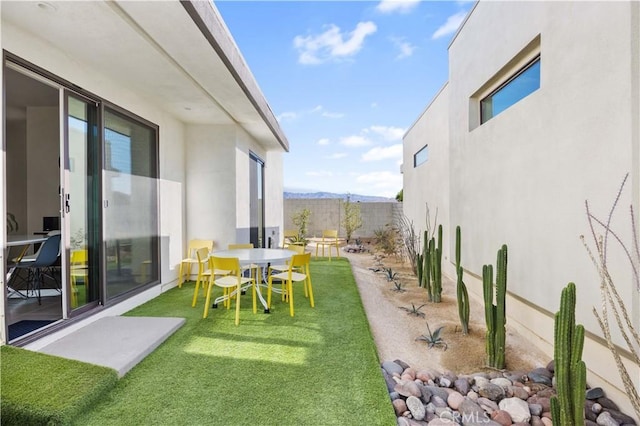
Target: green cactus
(436,268)
(495,314)
(567,408)
(461,288)
(429,269)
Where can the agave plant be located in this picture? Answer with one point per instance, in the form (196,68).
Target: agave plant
(433,338)
(397,286)
(391,276)
(413,310)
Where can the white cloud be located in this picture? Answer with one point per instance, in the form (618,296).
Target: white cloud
(332,114)
(406,48)
(332,44)
(323,141)
(451,26)
(401,6)
(355,141)
(383,153)
(384,182)
(389,133)
(289,115)
(336,156)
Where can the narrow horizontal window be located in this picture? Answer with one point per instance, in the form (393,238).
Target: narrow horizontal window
(517,87)
(421,156)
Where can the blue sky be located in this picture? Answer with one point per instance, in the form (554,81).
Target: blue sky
(345,80)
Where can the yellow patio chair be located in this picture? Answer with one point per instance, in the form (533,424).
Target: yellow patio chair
(204,273)
(329,240)
(190,259)
(275,269)
(78,271)
(291,276)
(290,238)
(231,284)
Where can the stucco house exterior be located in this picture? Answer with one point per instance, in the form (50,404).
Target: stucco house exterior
(131,127)
(541,111)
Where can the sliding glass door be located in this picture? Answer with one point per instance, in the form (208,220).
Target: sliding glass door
(82,202)
(256,201)
(131,203)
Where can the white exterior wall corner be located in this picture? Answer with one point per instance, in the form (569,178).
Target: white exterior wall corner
(428,183)
(211,183)
(274,195)
(523,177)
(3,205)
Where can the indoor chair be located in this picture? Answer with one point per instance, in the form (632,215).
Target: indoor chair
(231,284)
(291,276)
(329,240)
(46,258)
(190,259)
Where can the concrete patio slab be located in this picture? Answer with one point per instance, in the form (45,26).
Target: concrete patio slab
(116,342)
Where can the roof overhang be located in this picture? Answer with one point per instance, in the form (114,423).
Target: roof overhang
(178,55)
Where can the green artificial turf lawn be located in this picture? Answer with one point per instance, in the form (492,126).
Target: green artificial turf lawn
(317,368)
(40,389)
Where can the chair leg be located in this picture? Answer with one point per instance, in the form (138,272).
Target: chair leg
(255,307)
(308,283)
(238,305)
(207,300)
(290,293)
(195,293)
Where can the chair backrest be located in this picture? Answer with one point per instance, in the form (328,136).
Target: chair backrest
(225,264)
(330,234)
(79,257)
(202,254)
(48,253)
(196,244)
(240,246)
(298,260)
(290,233)
(298,248)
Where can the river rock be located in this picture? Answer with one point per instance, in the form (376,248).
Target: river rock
(544,402)
(491,391)
(519,392)
(462,385)
(435,390)
(539,378)
(408,388)
(502,382)
(605,419)
(487,405)
(607,403)
(410,372)
(416,407)
(402,364)
(440,422)
(535,409)
(517,409)
(455,399)
(621,417)
(501,417)
(536,421)
(391,368)
(594,393)
(551,366)
(445,382)
(424,376)
(399,406)
(438,402)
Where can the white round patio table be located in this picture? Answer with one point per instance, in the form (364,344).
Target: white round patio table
(258,256)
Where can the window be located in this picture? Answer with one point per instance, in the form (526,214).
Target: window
(421,156)
(520,85)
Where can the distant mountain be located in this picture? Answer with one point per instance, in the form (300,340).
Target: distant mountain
(354,197)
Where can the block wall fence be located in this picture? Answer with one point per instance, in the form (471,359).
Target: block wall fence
(328,213)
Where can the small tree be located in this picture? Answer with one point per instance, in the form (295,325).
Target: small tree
(301,220)
(352,218)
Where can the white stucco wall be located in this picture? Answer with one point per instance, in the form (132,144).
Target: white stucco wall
(522,177)
(211,184)
(428,183)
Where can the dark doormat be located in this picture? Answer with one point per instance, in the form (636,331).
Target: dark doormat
(25,326)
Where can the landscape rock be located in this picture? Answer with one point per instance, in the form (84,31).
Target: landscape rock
(399,406)
(517,409)
(501,417)
(462,385)
(455,399)
(594,393)
(416,407)
(607,403)
(408,388)
(491,391)
(605,419)
(391,367)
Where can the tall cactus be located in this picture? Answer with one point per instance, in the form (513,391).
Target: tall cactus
(495,314)
(567,409)
(461,288)
(436,268)
(428,271)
